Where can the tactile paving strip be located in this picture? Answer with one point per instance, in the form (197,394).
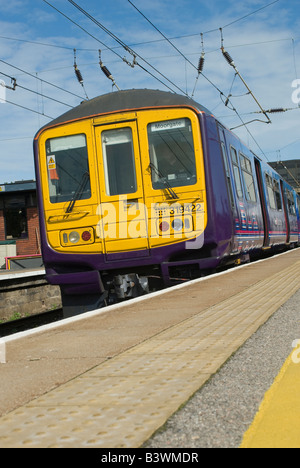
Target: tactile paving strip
(123,401)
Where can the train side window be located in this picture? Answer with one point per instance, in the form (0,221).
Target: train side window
(236,172)
(248,179)
(271,193)
(68,168)
(228,178)
(119,163)
(291,203)
(278,199)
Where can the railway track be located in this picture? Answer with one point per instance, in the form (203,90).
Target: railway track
(28,323)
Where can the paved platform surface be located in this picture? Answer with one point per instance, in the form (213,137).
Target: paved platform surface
(113,378)
(277,423)
(222,410)
(16,274)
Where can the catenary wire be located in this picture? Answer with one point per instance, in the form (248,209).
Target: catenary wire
(213,84)
(36,92)
(126,47)
(113,51)
(121,43)
(28,109)
(43,81)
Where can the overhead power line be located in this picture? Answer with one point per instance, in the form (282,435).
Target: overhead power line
(17,85)
(40,79)
(28,109)
(200,69)
(126,47)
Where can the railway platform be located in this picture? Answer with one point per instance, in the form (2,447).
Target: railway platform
(111,378)
(26,292)
(17,274)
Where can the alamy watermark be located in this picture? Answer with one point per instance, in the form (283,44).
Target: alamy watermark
(128,219)
(296,353)
(2,92)
(296,93)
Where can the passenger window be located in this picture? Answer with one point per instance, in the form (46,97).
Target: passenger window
(236,172)
(271,194)
(119,163)
(248,179)
(291,203)
(278,199)
(228,178)
(68,168)
(172,154)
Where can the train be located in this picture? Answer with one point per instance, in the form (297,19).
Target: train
(143,189)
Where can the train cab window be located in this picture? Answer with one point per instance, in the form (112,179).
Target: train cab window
(248,179)
(119,163)
(172,153)
(68,168)
(236,172)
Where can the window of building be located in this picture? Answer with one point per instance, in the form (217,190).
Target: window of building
(15,216)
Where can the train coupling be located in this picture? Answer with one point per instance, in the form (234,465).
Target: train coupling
(130,286)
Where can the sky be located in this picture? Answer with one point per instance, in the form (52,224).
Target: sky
(37,49)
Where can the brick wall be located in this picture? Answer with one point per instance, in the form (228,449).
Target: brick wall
(31,245)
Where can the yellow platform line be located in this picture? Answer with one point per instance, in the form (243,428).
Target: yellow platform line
(123,401)
(277,423)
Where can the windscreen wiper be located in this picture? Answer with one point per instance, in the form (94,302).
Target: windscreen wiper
(79,192)
(165,181)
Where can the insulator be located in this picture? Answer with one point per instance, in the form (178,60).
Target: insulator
(79,75)
(106,71)
(228,57)
(273,111)
(201,64)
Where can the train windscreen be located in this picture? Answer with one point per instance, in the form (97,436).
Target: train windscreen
(68,168)
(172,153)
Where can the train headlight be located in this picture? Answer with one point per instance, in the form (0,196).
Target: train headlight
(177,225)
(74,237)
(82,236)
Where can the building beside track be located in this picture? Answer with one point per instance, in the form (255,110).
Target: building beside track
(19,222)
(290,171)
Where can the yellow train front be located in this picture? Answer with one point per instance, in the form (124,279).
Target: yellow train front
(121,190)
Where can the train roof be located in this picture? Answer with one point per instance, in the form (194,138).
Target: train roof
(126,100)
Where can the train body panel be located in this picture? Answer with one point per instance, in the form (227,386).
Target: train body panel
(141,187)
